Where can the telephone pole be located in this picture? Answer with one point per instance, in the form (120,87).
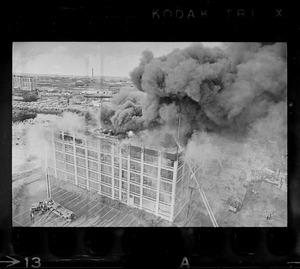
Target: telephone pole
(48,185)
(192,189)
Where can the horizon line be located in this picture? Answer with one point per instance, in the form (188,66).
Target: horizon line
(65,75)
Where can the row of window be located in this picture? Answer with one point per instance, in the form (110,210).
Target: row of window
(136,200)
(153,171)
(92,184)
(133,188)
(107,159)
(106,148)
(151,182)
(79,151)
(163,198)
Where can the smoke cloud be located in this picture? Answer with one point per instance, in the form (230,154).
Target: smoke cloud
(212,89)
(125,112)
(70,122)
(223,96)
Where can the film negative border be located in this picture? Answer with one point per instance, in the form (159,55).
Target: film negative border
(182,247)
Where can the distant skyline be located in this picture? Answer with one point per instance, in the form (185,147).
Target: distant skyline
(78,58)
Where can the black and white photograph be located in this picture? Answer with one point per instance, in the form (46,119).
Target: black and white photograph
(149,134)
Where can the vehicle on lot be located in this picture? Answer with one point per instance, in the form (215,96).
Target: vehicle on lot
(35,207)
(61,211)
(48,205)
(235,206)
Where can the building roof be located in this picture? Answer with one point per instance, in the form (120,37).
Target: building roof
(136,141)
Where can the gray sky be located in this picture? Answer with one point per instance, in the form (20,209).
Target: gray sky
(78,58)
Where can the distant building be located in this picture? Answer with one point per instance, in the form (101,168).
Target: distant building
(24,83)
(79,83)
(90,91)
(44,84)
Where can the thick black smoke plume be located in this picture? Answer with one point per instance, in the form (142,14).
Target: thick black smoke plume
(220,90)
(125,112)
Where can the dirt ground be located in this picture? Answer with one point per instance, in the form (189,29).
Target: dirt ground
(24,196)
(193,214)
(255,207)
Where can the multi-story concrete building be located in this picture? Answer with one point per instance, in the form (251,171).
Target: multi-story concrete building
(144,178)
(24,83)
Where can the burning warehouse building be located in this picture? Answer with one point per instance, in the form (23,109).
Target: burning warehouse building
(153,180)
(215,97)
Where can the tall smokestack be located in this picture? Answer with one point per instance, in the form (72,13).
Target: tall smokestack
(101,62)
(92,73)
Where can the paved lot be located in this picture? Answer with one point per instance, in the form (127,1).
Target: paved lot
(88,213)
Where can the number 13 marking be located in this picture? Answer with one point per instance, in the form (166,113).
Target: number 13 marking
(35,260)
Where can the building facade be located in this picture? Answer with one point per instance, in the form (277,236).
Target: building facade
(24,83)
(147,179)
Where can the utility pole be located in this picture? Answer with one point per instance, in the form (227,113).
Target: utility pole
(192,189)
(48,185)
